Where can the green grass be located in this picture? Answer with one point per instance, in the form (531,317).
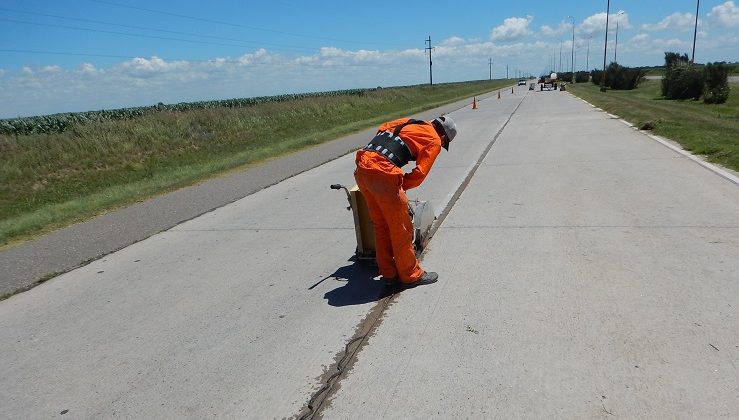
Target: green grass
(709,130)
(660,70)
(48,181)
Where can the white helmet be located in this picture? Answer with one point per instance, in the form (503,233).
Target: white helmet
(447,124)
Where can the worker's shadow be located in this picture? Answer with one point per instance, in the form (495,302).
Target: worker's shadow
(356,285)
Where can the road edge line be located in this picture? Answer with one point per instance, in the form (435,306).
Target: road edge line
(715,168)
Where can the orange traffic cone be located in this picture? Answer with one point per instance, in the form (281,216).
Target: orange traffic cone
(498,94)
(474,103)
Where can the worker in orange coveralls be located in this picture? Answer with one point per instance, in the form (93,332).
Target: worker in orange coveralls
(383,184)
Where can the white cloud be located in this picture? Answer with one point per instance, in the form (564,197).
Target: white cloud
(548,31)
(643,42)
(87,68)
(622,18)
(454,41)
(725,39)
(257,56)
(512,28)
(331,53)
(595,25)
(676,21)
(726,15)
(51,69)
(640,37)
(153,67)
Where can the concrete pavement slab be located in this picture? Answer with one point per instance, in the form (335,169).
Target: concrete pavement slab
(585,272)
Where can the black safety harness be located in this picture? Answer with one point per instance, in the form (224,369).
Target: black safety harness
(390,145)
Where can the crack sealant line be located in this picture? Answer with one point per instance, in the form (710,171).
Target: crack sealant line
(372,321)
(345,360)
(463,186)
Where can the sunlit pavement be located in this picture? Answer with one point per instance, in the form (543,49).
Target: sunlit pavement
(585,271)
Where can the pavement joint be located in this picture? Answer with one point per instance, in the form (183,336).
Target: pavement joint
(348,357)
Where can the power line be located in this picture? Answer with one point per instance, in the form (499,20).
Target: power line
(151,29)
(77,54)
(64,53)
(430,48)
(53,25)
(219,22)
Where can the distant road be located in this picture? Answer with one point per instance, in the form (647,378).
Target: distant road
(732,79)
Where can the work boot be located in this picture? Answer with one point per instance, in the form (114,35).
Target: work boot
(389,281)
(428,277)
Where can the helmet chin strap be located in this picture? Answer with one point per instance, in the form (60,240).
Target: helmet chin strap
(439,128)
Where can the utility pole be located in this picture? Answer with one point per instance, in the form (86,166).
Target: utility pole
(560,56)
(572,61)
(605,50)
(615,49)
(506,71)
(431,74)
(490,64)
(695,31)
(587,60)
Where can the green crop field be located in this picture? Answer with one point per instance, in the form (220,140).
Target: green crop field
(708,130)
(57,170)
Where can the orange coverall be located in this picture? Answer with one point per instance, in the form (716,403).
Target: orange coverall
(383,185)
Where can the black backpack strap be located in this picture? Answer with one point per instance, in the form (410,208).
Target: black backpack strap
(397,129)
(392,146)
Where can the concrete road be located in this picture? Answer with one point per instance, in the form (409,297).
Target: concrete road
(586,270)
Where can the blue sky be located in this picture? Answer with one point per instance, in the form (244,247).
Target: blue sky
(80,55)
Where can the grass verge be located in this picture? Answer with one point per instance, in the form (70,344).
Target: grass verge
(48,181)
(708,130)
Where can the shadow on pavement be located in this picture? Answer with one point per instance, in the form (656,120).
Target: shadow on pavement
(357,285)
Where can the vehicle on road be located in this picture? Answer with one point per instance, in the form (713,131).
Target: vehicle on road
(522,82)
(548,82)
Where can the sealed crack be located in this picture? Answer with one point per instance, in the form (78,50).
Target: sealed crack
(346,359)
